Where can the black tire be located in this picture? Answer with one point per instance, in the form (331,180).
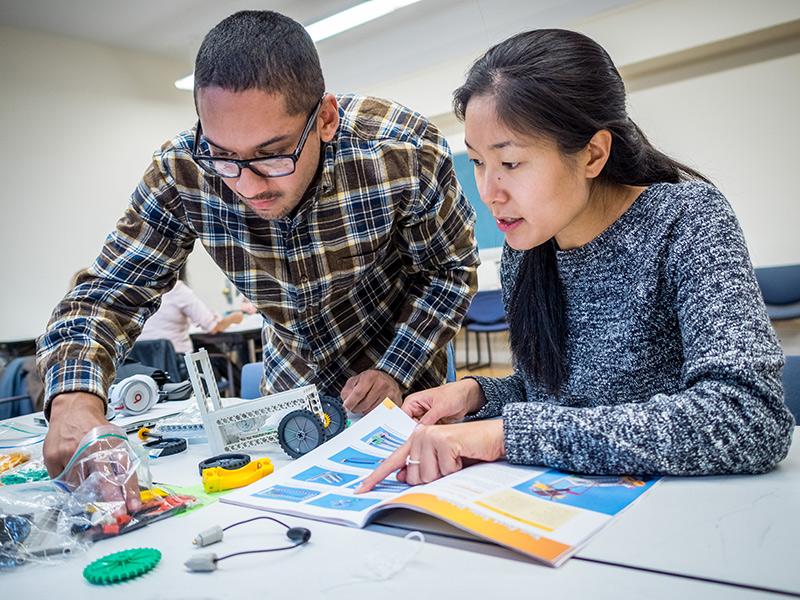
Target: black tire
(336,415)
(230,462)
(299,432)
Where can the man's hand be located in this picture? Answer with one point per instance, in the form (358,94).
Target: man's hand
(446,403)
(366,390)
(438,450)
(72,416)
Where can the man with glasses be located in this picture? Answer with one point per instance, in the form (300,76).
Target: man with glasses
(339,217)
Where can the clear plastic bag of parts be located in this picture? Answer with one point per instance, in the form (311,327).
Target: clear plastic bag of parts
(21,454)
(105,491)
(186,424)
(19,446)
(28,467)
(31,527)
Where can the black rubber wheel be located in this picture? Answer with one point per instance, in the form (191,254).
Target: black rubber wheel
(168,446)
(335,415)
(230,462)
(300,432)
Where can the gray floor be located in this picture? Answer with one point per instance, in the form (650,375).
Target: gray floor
(789,335)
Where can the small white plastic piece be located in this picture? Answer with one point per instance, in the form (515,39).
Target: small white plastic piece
(208,537)
(202,562)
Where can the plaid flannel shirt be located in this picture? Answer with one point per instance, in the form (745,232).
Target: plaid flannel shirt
(375,269)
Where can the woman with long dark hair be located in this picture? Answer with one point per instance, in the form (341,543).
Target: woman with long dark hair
(640,340)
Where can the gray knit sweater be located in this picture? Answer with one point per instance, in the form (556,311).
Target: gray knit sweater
(673,366)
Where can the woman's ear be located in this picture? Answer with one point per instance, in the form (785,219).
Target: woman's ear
(599,149)
(328,118)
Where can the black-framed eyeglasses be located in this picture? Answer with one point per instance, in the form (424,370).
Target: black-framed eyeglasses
(269,166)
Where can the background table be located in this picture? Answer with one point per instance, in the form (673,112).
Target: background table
(245,335)
(238,344)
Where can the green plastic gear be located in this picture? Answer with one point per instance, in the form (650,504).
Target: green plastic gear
(122,565)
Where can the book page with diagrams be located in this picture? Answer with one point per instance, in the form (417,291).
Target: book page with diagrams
(538,511)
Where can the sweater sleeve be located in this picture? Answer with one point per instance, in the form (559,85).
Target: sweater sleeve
(194,308)
(727,415)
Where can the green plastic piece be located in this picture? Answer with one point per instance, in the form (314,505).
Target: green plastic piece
(122,565)
(24,476)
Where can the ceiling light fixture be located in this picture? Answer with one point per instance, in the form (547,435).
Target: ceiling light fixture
(335,24)
(353,17)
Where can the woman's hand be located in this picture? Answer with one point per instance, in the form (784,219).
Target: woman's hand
(438,450)
(446,403)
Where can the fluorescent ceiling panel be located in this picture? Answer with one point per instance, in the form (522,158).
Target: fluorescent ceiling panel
(335,24)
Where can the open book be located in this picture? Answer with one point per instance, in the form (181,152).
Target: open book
(540,512)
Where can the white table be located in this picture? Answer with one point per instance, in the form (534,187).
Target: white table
(743,530)
(728,530)
(733,531)
(332,566)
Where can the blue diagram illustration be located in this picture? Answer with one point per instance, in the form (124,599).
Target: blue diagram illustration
(325,476)
(388,486)
(344,502)
(354,458)
(384,440)
(280,492)
(604,494)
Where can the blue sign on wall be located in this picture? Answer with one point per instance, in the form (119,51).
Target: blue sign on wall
(486,232)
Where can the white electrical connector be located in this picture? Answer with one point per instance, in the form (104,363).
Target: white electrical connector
(208,562)
(208,537)
(202,562)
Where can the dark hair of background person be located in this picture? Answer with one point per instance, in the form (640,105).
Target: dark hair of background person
(261,50)
(561,86)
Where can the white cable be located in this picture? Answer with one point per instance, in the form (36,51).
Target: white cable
(381,565)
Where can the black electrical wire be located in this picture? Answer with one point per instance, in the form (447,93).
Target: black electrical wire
(301,536)
(255,519)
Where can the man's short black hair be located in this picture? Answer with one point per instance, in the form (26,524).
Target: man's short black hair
(264,50)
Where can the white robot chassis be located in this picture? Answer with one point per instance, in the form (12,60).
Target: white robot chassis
(306,419)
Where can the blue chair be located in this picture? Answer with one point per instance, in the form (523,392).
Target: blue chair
(486,315)
(252,374)
(14,398)
(451,364)
(791,385)
(15,406)
(780,287)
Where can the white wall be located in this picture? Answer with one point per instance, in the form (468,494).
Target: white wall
(740,128)
(97,113)
(79,123)
(714,83)
(717,85)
